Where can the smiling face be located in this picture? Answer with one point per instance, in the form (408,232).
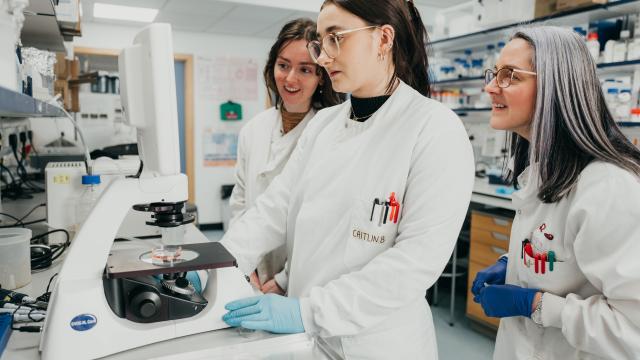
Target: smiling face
(356,69)
(513,107)
(296,76)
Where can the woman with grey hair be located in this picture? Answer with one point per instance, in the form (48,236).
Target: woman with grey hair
(569,287)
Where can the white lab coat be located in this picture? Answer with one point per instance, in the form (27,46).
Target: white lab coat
(361,284)
(263,150)
(591,306)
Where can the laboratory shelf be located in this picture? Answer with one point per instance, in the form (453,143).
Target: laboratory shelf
(629,124)
(621,66)
(16,105)
(459,80)
(41,29)
(479,39)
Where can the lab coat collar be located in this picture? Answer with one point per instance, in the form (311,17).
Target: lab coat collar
(278,141)
(529,181)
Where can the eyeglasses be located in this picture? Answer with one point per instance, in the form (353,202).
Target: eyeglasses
(503,76)
(330,43)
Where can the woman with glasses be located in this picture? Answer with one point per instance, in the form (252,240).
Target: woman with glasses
(298,88)
(569,287)
(372,200)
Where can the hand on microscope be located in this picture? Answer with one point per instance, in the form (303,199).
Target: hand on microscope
(273,313)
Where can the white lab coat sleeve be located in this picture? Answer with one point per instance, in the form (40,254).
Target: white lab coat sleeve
(263,227)
(237,201)
(436,200)
(604,219)
(282,278)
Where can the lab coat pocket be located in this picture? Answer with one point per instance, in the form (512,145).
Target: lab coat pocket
(372,229)
(554,277)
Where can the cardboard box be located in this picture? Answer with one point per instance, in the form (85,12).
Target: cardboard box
(74,68)
(545,8)
(502,12)
(68,13)
(61,67)
(564,5)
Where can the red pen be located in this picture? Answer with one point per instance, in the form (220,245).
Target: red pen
(395,208)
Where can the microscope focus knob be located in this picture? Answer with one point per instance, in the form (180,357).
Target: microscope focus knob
(146,304)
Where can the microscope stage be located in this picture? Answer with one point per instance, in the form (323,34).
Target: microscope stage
(201,256)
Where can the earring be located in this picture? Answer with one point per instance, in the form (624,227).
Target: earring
(380,57)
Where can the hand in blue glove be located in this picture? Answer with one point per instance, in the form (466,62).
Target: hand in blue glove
(506,300)
(273,313)
(493,275)
(194,279)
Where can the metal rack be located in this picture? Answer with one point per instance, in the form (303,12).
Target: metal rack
(16,105)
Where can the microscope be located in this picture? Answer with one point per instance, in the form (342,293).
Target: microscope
(109,299)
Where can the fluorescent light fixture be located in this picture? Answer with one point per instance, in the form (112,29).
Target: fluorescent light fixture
(128,13)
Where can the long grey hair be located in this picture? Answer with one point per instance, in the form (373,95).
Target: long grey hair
(571,124)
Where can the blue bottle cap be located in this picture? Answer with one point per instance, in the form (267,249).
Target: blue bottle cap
(467,51)
(90,179)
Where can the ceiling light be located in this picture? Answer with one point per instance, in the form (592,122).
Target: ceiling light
(119,12)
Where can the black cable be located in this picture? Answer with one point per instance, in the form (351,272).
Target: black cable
(32,210)
(20,222)
(24,175)
(12,217)
(42,256)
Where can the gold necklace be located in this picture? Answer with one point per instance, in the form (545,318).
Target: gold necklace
(356,118)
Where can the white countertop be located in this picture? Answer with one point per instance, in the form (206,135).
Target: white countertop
(486,194)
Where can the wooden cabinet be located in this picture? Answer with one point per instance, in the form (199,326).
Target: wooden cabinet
(489,240)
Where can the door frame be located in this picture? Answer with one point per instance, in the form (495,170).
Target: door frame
(189,144)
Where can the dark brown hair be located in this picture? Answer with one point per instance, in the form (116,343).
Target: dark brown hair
(410,43)
(299,29)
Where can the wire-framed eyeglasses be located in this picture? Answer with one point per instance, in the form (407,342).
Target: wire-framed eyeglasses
(331,43)
(503,76)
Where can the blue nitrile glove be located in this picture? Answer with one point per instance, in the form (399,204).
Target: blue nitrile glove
(273,313)
(194,279)
(506,300)
(493,275)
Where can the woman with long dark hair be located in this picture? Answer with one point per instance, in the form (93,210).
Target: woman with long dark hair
(298,89)
(570,286)
(372,200)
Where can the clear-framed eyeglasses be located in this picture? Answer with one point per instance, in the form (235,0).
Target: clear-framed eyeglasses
(331,43)
(503,76)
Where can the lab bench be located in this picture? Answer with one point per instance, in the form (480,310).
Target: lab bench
(220,344)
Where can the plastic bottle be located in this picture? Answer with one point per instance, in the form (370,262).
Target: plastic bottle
(611,98)
(489,57)
(635,116)
(496,55)
(593,45)
(468,55)
(87,199)
(476,67)
(620,47)
(623,105)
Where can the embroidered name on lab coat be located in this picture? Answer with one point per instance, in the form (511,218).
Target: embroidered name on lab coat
(365,236)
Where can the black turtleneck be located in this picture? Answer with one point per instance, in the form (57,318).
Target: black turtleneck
(363,108)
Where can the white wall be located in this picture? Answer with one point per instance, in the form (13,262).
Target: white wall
(208,180)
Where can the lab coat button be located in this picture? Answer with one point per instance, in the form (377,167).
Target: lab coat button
(519,212)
